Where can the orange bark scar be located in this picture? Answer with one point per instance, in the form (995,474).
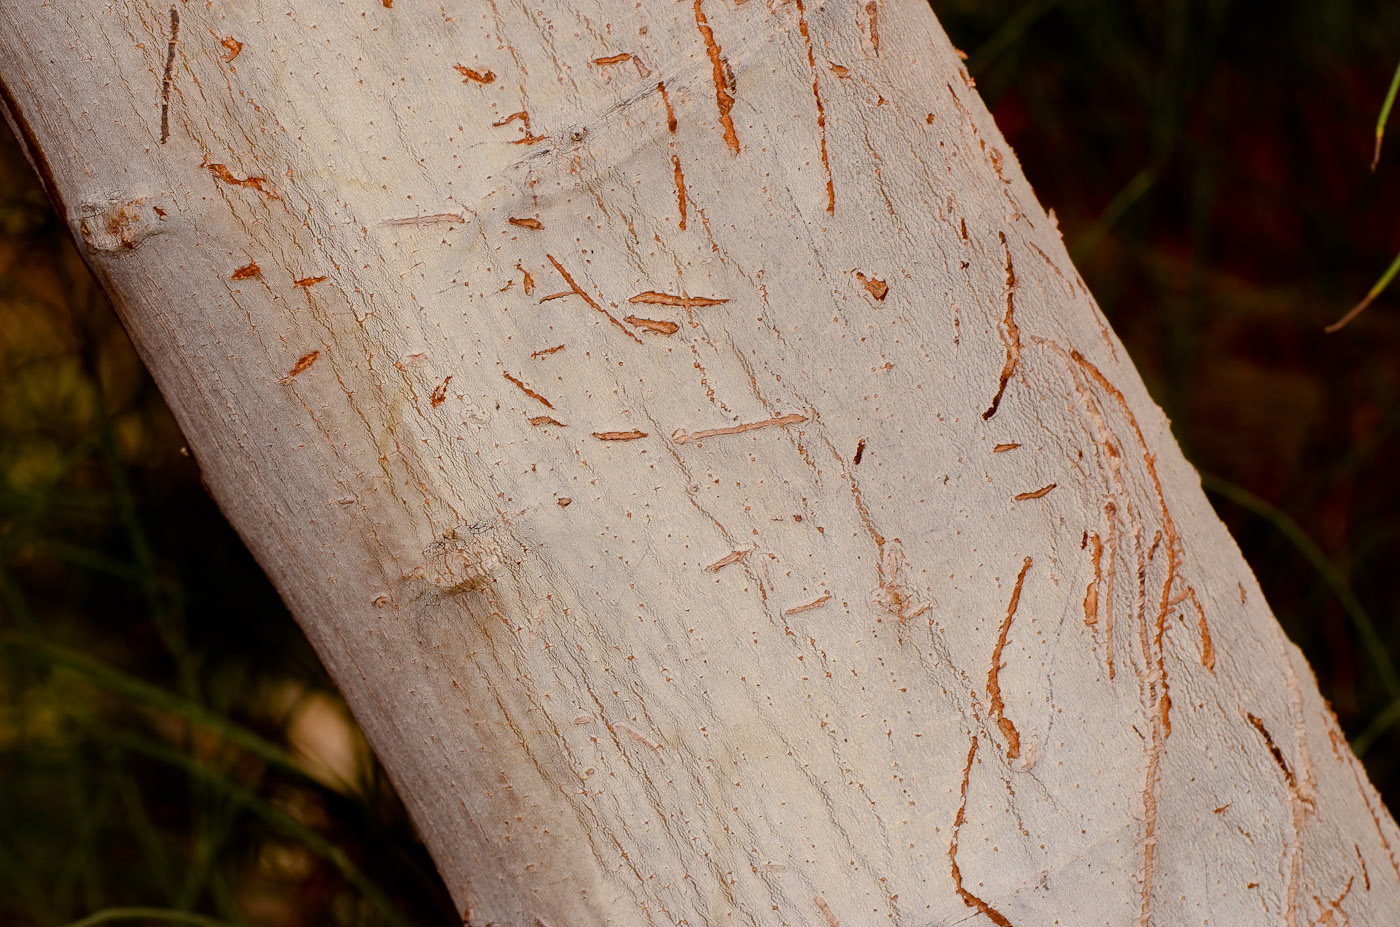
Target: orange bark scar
(1091,593)
(546,420)
(574,288)
(670,113)
(680,185)
(815,603)
(529,282)
(724,98)
(969,899)
(726,560)
(526,223)
(632,435)
(1011,337)
(247,271)
(1034,494)
(222,172)
(680,436)
(1207,647)
(308,282)
(821,110)
(527,391)
(653,298)
(301,366)
(481,77)
(613,59)
(233,48)
(440,392)
(825,908)
(1003,448)
(655,325)
(1008,729)
(544,351)
(872,13)
(874,286)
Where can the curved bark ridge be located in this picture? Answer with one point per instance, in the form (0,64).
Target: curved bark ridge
(857,581)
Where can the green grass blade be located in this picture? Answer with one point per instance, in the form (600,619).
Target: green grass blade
(1326,569)
(1384,117)
(1376,290)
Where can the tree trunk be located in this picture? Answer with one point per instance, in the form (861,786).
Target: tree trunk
(686,441)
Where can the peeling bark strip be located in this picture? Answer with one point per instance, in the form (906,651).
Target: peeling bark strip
(632,435)
(574,288)
(680,436)
(670,113)
(1034,494)
(1003,448)
(724,99)
(612,59)
(969,899)
(726,560)
(653,325)
(1274,751)
(308,282)
(872,13)
(825,908)
(821,110)
(1008,730)
(1091,593)
(874,286)
(169,72)
(222,172)
(527,391)
(544,352)
(481,77)
(1207,647)
(440,392)
(1011,336)
(546,420)
(679,176)
(301,366)
(815,603)
(526,223)
(247,271)
(653,298)
(233,48)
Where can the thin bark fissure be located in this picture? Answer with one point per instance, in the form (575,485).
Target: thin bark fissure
(1010,335)
(1008,729)
(724,99)
(821,110)
(968,898)
(593,303)
(168,77)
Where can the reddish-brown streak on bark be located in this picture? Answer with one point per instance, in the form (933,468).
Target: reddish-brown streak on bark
(544,351)
(613,59)
(301,366)
(670,113)
(1110,511)
(654,325)
(1003,448)
(841,71)
(821,110)
(1207,647)
(969,899)
(726,560)
(527,391)
(1161,726)
(1274,751)
(827,915)
(632,435)
(526,223)
(874,286)
(546,420)
(169,74)
(1008,729)
(1091,593)
(560,295)
(680,185)
(309,282)
(872,12)
(1011,337)
(222,172)
(564,501)
(247,271)
(574,288)
(468,74)
(440,392)
(680,436)
(529,281)
(1034,494)
(653,298)
(233,48)
(860,453)
(815,603)
(723,99)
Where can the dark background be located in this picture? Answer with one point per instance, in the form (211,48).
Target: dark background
(168,739)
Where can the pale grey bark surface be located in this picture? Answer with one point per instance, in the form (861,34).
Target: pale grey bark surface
(687,443)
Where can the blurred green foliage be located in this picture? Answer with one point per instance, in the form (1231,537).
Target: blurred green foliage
(167,738)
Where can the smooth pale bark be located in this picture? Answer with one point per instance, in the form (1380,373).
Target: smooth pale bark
(687,443)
